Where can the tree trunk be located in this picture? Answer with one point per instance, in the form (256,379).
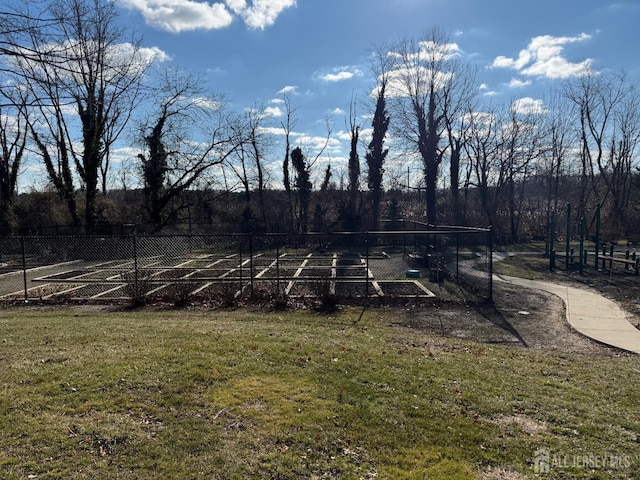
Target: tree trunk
(455,180)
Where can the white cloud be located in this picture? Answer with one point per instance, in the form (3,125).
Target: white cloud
(317,143)
(517,83)
(10,125)
(272,130)
(288,89)
(182,15)
(484,88)
(143,56)
(261,13)
(337,111)
(336,77)
(544,57)
(397,86)
(185,15)
(264,112)
(343,135)
(206,103)
(339,74)
(124,154)
(121,60)
(430,51)
(417,66)
(366,134)
(237,5)
(278,131)
(528,105)
(276,101)
(272,112)
(479,118)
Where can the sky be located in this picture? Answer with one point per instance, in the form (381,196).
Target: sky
(319,51)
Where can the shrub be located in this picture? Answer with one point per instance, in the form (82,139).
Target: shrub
(138,285)
(327,298)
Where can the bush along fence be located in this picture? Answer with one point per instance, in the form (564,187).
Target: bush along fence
(350,267)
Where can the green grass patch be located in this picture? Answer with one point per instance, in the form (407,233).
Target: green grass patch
(529,247)
(222,395)
(532,267)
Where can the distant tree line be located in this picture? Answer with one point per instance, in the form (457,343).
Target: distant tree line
(74,84)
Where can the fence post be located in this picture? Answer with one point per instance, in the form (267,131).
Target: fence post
(597,246)
(135,263)
(490,295)
(568,237)
(24,269)
(240,239)
(251,263)
(581,243)
(457,258)
(552,248)
(278,265)
(366,270)
(404,242)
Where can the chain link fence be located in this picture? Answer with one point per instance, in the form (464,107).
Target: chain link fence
(224,269)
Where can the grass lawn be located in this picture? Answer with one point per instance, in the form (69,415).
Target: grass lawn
(532,267)
(90,393)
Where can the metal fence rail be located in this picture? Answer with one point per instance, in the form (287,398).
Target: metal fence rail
(399,264)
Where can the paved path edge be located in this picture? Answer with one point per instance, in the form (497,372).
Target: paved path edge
(589,313)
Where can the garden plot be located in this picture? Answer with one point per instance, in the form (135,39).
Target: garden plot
(10,264)
(345,275)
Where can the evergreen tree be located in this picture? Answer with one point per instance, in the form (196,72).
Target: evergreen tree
(377,154)
(302,184)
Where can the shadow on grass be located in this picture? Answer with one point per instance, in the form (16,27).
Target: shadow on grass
(493,315)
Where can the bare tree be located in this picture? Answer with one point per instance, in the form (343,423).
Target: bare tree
(247,163)
(239,164)
(609,128)
(481,146)
(557,154)
(350,212)
(258,140)
(13,141)
(427,82)
(18,24)
(81,73)
(287,127)
(520,146)
(189,134)
(456,125)
(501,144)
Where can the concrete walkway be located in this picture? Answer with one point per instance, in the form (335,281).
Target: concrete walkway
(589,313)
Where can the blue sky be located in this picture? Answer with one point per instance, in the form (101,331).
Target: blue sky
(319,50)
